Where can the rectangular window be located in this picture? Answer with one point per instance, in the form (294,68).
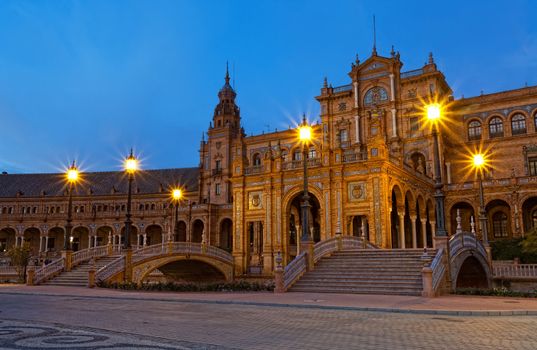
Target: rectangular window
(217,189)
(218,164)
(532,166)
(414,125)
(343,135)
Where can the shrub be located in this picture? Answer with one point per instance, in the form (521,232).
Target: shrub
(523,248)
(235,286)
(498,292)
(20,256)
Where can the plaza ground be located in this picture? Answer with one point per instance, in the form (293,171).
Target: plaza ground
(52,317)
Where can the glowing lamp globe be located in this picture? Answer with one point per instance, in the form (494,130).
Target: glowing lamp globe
(433,112)
(131,164)
(72,174)
(479,160)
(177,194)
(304,133)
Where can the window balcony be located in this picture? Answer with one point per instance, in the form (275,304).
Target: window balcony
(253,170)
(298,164)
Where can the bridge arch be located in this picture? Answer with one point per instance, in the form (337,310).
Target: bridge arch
(469,265)
(211,268)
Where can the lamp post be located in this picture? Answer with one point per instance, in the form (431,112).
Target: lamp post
(131,166)
(434,113)
(479,162)
(72,177)
(177,195)
(305,136)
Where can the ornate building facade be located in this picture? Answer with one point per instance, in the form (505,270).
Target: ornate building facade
(370,172)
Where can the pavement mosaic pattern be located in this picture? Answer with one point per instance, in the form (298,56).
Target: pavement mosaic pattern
(39,335)
(68,322)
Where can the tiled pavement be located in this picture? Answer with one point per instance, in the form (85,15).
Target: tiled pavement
(121,323)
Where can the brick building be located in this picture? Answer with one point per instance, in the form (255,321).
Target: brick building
(370,172)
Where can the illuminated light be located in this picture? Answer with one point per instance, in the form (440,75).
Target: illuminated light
(434,111)
(71,239)
(177,194)
(479,160)
(131,164)
(72,173)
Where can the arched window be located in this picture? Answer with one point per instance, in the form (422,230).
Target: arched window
(474,130)
(518,124)
(284,155)
(256,160)
(499,224)
(312,153)
(375,95)
(496,127)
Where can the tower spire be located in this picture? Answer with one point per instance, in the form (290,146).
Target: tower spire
(374,37)
(227,72)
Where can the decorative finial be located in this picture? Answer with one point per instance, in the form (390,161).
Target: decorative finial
(374,37)
(304,122)
(325,85)
(227,72)
(431,59)
(131,155)
(357,60)
(392,52)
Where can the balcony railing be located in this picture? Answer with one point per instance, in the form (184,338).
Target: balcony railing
(298,164)
(217,171)
(342,88)
(354,157)
(256,169)
(412,73)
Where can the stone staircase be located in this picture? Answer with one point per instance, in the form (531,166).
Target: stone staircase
(78,276)
(366,271)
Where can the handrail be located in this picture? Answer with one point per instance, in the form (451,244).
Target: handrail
(86,254)
(519,271)
(438,268)
(8,270)
(324,248)
(294,270)
(465,239)
(47,271)
(111,269)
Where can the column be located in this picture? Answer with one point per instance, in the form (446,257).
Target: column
(424,232)
(145,240)
(448,172)
(357,129)
(89,241)
(402,230)
(392,87)
(394,122)
(433,231)
(413,219)
(46,243)
(355,85)
(40,244)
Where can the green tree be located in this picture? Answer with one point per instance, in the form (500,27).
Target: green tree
(529,244)
(20,256)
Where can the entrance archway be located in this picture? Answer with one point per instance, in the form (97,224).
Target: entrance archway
(197,231)
(471,274)
(153,234)
(103,234)
(181,232)
(7,239)
(80,238)
(31,238)
(226,234)
(294,217)
(499,219)
(466,212)
(529,210)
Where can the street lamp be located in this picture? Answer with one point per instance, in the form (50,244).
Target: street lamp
(72,177)
(479,162)
(305,135)
(131,166)
(434,114)
(177,195)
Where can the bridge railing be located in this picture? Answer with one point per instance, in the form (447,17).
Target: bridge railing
(8,270)
(514,271)
(438,268)
(44,273)
(294,270)
(86,254)
(463,240)
(111,269)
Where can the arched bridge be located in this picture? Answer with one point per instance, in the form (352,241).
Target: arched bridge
(469,263)
(153,257)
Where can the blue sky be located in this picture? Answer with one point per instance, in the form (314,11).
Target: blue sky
(90,79)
